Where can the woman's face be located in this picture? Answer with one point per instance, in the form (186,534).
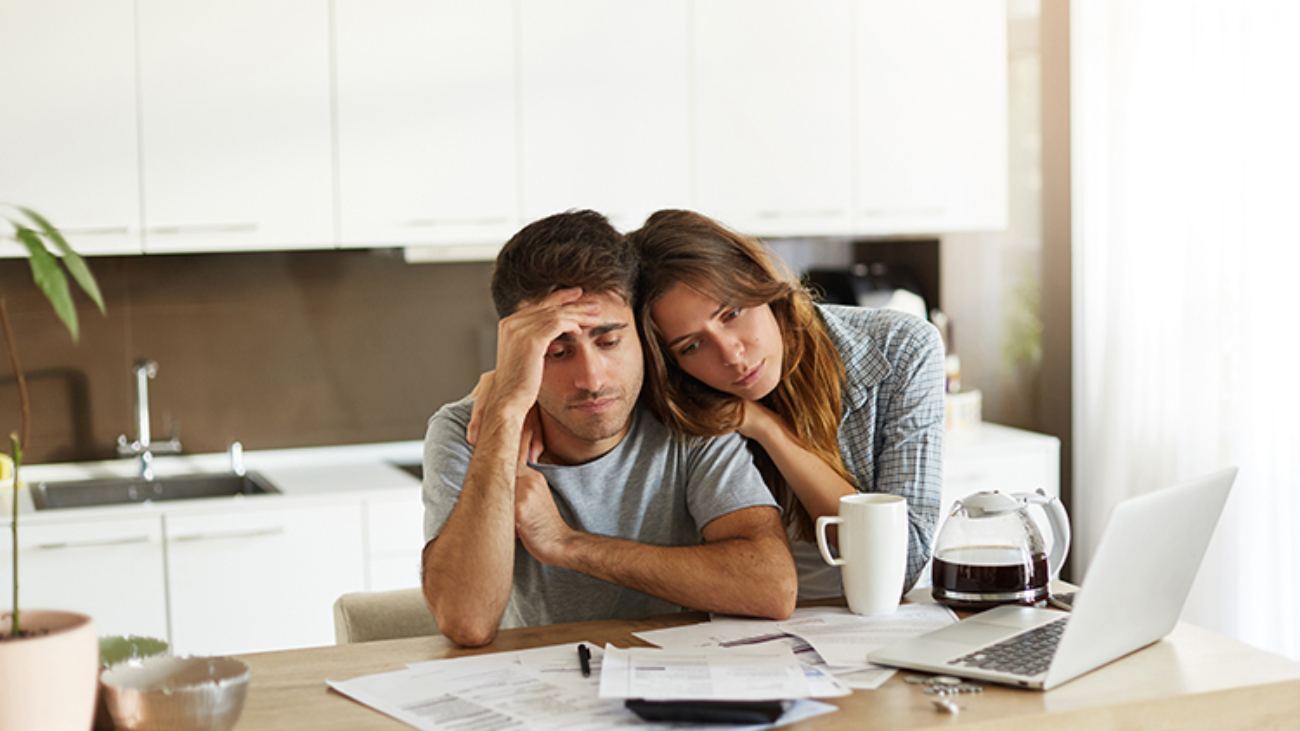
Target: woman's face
(737,350)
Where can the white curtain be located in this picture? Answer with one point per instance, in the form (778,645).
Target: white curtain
(1186,180)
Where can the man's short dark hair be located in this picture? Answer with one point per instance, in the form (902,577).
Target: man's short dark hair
(570,249)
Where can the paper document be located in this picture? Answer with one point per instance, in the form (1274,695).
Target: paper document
(541,689)
(843,639)
(720,631)
(838,639)
(489,692)
(712,674)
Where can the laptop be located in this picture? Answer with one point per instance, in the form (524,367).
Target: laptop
(1132,596)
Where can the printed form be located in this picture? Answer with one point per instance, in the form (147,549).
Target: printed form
(712,674)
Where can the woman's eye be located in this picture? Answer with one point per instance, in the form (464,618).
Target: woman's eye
(733,314)
(689,348)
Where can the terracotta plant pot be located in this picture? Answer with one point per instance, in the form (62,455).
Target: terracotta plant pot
(48,681)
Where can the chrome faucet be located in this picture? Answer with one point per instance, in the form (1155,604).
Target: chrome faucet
(143,447)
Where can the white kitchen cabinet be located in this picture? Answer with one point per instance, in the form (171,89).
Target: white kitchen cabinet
(444,126)
(111,569)
(395,542)
(426,115)
(773,115)
(68,129)
(604,91)
(235,125)
(261,577)
(932,129)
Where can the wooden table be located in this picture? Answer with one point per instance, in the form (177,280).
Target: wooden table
(1192,679)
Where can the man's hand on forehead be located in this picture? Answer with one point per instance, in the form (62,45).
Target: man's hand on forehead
(587,307)
(524,336)
(573,296)
(565,302)
(569,304)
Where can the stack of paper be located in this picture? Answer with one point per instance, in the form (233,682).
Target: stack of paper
(817,653)
(830,640)
(540,689)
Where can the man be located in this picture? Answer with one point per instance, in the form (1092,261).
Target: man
(574,503)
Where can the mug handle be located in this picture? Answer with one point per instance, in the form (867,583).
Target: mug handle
(822,522)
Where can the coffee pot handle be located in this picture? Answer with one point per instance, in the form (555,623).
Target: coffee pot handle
(1060,524)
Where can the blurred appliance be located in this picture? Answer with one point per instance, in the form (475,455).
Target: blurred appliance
(876,285)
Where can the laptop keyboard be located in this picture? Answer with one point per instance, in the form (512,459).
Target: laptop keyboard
(1028,653)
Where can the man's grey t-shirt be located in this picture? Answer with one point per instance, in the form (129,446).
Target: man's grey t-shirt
(650,488)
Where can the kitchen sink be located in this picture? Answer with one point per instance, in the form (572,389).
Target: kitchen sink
(126,490)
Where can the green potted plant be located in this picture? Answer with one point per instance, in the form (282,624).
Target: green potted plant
(49,660)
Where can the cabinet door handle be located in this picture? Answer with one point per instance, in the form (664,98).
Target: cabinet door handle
(94,230)
(439,222)
(91,544)
(772,214)
(928,212)
(224,535)
(200,228)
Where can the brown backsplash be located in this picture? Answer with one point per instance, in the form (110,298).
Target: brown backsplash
(275,350)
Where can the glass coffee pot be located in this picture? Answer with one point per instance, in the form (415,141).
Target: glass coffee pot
(990,551)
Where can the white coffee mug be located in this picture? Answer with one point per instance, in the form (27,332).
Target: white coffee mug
(873,550)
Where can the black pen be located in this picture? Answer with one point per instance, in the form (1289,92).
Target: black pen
(584,659)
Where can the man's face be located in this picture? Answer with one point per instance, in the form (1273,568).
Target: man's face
(590,383)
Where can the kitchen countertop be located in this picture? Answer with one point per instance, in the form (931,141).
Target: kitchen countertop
(306,473)
(341,471)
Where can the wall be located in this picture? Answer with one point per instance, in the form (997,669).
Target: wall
(993,282)
(1055,413)
(270,349)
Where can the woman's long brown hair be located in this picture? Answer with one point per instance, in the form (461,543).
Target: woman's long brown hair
(684,247)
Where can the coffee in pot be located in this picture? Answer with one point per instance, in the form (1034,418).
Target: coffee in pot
(990,552)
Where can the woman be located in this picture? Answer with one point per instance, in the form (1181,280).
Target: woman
(834,399)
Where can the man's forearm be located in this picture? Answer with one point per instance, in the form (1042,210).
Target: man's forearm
(468,569)
(750,575)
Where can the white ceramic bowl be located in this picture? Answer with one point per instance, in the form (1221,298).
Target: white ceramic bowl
(175,693)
